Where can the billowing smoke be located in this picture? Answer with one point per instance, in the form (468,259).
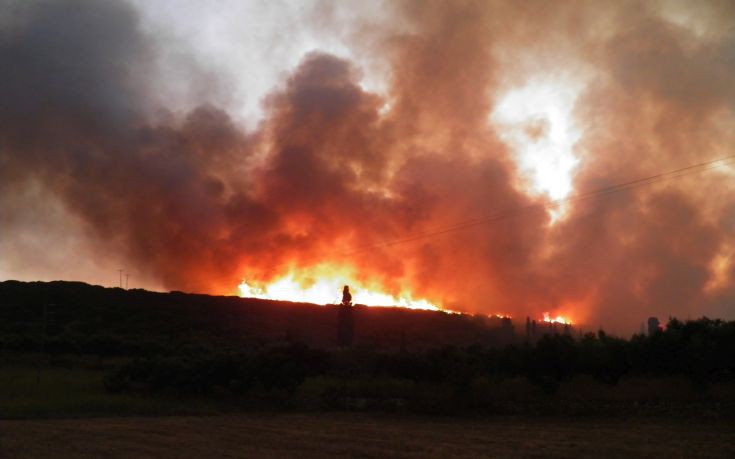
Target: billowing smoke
(334,173)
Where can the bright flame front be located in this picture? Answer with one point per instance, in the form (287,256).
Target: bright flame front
(328,290)
(556,320)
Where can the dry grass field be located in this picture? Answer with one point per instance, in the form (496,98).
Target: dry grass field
(361,435)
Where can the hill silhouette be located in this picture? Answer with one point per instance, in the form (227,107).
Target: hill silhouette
(273,353)
(87,318)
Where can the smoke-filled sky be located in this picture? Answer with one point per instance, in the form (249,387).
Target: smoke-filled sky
(198,144)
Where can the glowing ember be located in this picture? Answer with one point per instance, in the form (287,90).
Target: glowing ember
(328,290)
(556,320)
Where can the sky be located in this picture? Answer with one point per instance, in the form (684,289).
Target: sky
(425,152)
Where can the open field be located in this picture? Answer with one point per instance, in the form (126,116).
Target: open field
(63,392)
(360,435)
(82,420)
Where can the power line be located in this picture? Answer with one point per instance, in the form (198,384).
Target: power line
(676,173)
(535,207)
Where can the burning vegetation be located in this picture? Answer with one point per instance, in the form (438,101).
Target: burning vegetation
(435,192)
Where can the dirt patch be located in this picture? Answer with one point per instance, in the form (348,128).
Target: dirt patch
(348,435)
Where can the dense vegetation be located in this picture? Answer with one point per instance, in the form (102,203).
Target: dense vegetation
(273,353)
(702,351)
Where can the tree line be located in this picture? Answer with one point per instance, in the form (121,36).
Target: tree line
(703,351)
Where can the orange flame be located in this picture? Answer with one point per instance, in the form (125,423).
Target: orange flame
(556,320)
(323,285)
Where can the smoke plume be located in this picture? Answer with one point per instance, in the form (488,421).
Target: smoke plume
(334,173)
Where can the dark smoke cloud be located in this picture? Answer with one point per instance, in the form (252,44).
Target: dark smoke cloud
(195,202)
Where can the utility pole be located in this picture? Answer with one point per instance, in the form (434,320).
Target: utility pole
(120,271)
(126,280)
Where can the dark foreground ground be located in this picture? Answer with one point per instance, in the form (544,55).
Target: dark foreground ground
(362,435)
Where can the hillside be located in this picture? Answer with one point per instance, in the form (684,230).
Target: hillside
(84,317)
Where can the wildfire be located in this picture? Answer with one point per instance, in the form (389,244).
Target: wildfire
(557,319)
(500,316)
(328,290)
